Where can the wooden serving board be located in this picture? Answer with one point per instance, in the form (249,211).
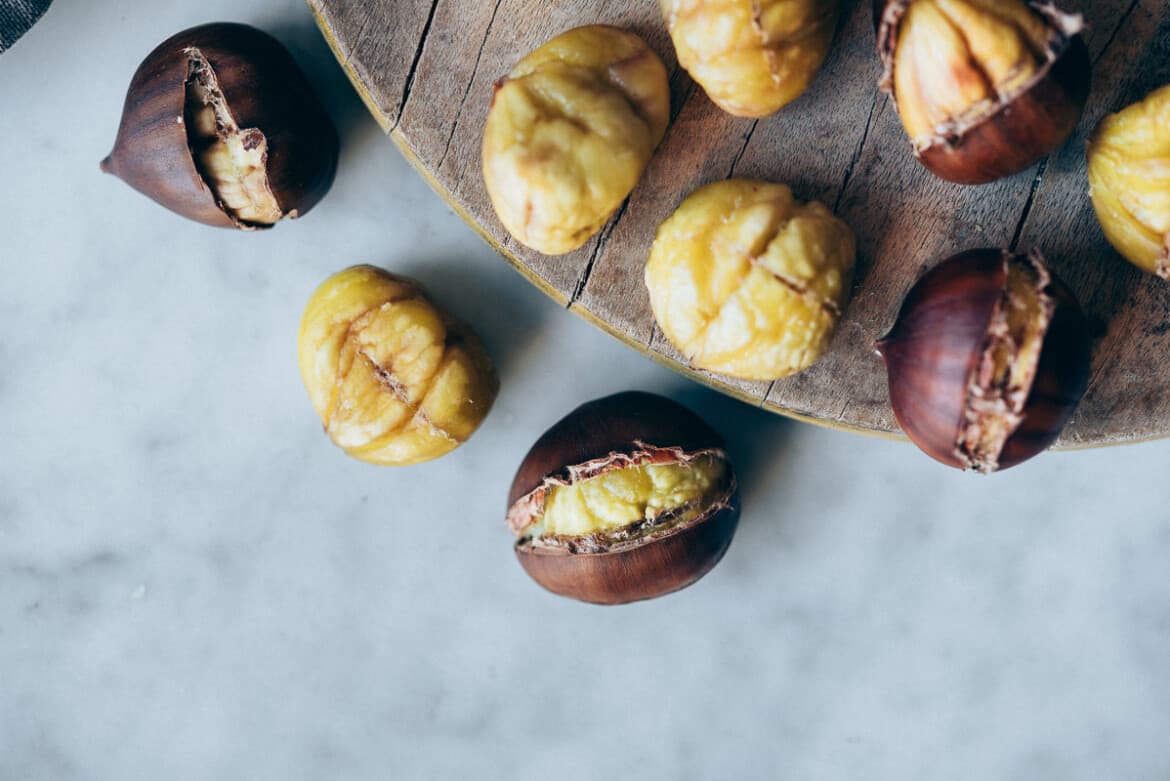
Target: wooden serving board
(425,69)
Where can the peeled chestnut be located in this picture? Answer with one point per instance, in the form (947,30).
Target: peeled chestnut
(221,126)
(747,281)
(394,378)
(985,88)
(628,497)
(988,359)
(1129,181)
(751,57)
(568,133)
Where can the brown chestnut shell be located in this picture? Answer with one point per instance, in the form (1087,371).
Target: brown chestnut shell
(641,568)
(263,87)
(1017,133)
(939,339)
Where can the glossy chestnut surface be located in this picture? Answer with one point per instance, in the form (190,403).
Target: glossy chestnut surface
(593,439)
(266,95)
(943,336)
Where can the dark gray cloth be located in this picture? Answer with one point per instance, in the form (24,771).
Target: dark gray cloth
(16,16)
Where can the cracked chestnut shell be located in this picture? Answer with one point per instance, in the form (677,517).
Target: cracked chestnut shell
(988,359)
(221,126)
(628,497)
(984,88)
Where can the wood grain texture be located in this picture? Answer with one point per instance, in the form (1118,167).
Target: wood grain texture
(426,70)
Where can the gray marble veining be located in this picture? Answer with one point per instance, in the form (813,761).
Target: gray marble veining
(194,584)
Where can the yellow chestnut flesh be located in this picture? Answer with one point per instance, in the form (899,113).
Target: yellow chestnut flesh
(633,495)
(569,133)
(751,57)
(394,379)
(748,282)
(1129,181)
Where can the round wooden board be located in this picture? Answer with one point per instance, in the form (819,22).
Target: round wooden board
(425,69)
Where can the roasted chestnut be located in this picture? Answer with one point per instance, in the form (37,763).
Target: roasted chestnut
(569,132)
(988,359)
(628,497)
(746,281)
(985,88)
(751,57)
(1129,181)
(394,378)
(221,126)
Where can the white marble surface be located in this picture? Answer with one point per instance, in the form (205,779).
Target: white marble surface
(194,584)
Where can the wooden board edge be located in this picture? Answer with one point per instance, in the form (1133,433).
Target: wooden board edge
(703,379)
(417,164)
(339,55)
(714,383)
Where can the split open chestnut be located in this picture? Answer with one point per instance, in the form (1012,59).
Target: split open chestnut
(988,359)
(628,497)
(984,88)
(221,126)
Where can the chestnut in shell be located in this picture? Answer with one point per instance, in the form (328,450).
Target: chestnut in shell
(988,359)
(628,497)
(984,88)
(221,126)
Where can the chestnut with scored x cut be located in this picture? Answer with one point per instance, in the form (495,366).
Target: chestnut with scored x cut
(628,497)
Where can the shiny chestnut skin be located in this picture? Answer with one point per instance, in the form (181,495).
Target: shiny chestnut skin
(641,568)
(1017,132)
(942,335)
(264,90)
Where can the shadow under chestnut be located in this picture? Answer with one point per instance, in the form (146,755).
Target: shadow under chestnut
(756,440)
(355,127)
(489,300)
